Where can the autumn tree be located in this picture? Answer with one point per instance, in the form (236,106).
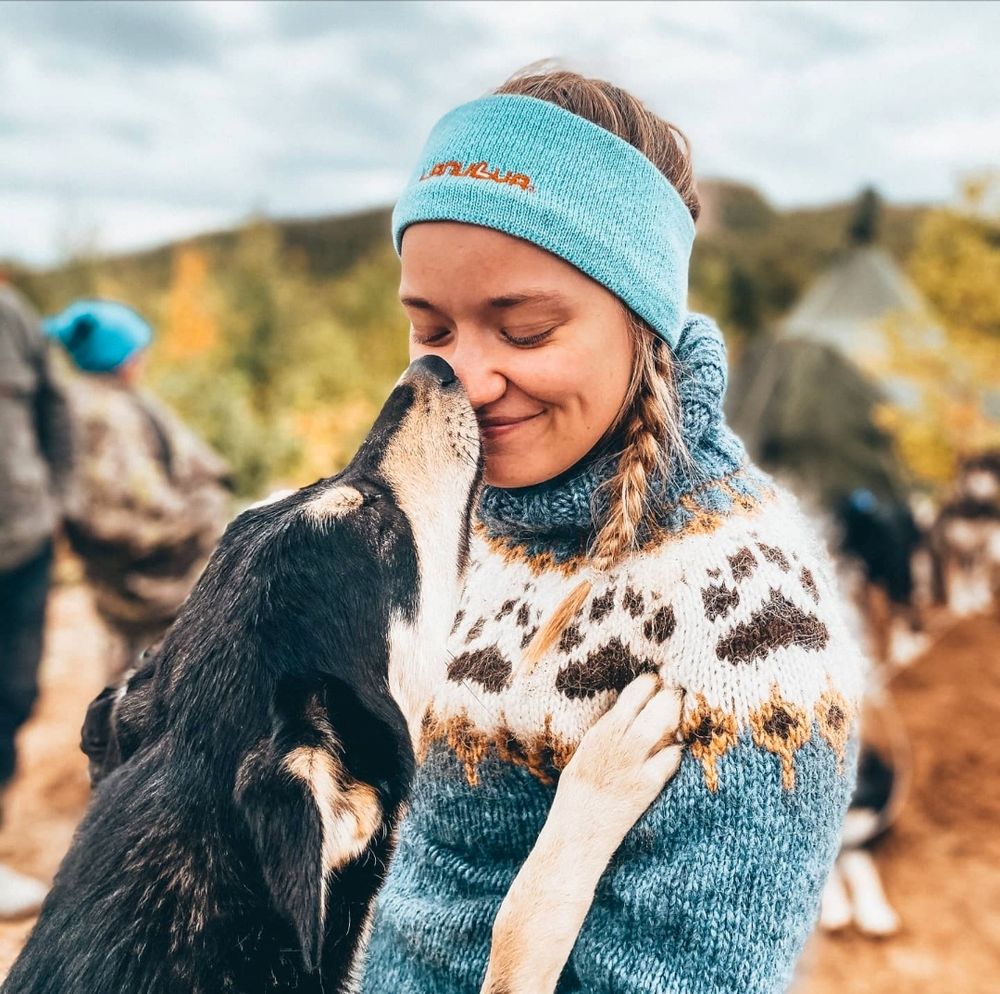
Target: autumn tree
(189,327)
(956,373)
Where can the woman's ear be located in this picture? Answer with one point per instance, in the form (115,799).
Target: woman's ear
(306,815)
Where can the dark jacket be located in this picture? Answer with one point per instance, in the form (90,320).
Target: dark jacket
(35,440)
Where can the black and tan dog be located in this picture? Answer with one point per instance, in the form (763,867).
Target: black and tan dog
(965,539)
(249,777)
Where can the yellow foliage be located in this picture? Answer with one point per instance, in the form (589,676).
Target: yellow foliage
(956,265)
(328,436)
(189,328)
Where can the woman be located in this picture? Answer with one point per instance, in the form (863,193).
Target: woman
(152,498)
(544,238)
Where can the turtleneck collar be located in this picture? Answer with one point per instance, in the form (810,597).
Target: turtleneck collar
(561,509)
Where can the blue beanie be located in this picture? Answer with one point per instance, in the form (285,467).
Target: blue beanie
(530,168)
(100,335)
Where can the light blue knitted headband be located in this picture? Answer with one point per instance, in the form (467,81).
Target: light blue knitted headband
(529,168)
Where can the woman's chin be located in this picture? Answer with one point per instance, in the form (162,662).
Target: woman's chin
(511,479)
(512,470)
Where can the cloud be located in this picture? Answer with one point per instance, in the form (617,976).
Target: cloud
(149,33)
(141,119)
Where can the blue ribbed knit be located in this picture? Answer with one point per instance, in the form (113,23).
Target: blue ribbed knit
(533,169)
(717,886)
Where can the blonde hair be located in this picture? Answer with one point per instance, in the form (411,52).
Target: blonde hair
(649,418)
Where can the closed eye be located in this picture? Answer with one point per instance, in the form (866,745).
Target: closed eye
(529,340)
(519,341)
(432,339)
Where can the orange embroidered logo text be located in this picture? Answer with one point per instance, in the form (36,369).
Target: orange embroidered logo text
(479,170)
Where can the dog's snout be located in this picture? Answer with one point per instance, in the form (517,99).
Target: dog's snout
(435,367)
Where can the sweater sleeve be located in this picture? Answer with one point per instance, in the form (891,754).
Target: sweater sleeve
(55,427)
(717,886)
(714,893)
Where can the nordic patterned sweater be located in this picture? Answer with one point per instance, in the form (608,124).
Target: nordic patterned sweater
(716,887)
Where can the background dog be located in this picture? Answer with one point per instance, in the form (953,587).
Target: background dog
(854,893)
(966,538)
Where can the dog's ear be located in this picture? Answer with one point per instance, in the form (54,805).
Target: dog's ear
(117,721)
(96,733)
(306,815)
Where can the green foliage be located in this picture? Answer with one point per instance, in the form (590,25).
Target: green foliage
(278,357)
(956,266)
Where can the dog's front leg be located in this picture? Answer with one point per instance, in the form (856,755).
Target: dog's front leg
(619,768)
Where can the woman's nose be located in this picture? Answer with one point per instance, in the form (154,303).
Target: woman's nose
(481,376)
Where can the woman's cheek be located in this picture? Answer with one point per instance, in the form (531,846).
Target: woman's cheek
(548,378)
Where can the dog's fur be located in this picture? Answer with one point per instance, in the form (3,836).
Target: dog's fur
(965,539)
(878,551)
(854,893)
(257,766)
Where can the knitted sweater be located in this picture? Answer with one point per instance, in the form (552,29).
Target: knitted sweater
(731,597)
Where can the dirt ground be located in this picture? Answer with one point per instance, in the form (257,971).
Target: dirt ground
(941,865)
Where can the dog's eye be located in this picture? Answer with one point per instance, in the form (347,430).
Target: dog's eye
(374,497)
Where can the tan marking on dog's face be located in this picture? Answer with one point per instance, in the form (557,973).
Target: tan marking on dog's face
(349,810)
(334,502)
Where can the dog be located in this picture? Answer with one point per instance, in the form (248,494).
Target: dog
(879,552)
(966,538)
(854,893)
(251,772)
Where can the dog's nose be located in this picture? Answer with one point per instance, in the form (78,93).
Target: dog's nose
(436,367)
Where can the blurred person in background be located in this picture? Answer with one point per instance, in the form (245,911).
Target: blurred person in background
(152,498)
(35,472)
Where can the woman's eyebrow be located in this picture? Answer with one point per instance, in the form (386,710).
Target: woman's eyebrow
(527,297)
(499,303)
(424,305)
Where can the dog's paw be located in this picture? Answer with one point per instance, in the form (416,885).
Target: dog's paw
(626,758)
(835,911)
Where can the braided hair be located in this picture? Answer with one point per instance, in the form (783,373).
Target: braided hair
(649,420)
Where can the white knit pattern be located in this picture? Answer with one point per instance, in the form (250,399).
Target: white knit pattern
(740,617)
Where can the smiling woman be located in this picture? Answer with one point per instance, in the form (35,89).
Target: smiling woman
(544,352)
(623,530)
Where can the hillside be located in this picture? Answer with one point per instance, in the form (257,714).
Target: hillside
(279,339)
(750,260)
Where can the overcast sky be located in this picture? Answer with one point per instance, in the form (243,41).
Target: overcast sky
(127,124)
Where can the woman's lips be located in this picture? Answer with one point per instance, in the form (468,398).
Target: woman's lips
(501,427)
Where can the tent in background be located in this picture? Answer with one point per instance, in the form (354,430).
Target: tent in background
(803,399)
(804,411)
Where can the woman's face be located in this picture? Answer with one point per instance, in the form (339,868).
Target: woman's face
(543,351)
